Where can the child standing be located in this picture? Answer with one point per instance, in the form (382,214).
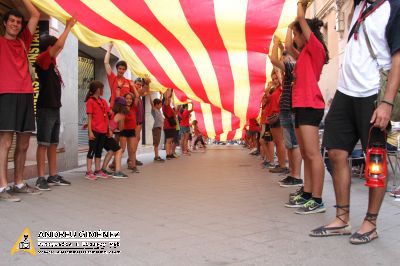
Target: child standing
(308,106)
(97,110)
(156,106)
(111,145)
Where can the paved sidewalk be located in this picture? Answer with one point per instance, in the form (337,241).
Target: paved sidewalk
(212,208)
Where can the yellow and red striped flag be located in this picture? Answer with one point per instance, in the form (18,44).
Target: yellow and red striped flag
(209,51)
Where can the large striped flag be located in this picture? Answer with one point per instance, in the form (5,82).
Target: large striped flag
(213,52)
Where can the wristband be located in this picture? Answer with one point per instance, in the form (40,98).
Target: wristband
(387,102)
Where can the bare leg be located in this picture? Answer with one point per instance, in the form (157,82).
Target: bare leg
(132,146)
(97,164)
(294,162)
(52,158)
(5,144)
(41,159)
(20,156)
(310,139)
(307,181)
(277,136)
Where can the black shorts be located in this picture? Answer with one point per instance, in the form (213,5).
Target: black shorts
(16,112)
(307,116)
(48,126)
(170,133)
(267,136)
(111,144)
(348,121)
(128,133)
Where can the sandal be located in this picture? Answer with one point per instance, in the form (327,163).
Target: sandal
(324,231)
(366,237)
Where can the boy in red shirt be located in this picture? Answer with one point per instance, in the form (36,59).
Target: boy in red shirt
(16,97)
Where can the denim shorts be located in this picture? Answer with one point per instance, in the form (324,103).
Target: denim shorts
(289,136)
(184,130)
(48,126)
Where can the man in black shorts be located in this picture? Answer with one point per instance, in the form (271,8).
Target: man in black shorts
(16,97)
(353,111)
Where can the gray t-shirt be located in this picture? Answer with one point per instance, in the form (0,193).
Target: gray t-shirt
(158,118)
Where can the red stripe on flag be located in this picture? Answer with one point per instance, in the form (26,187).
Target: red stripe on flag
(259,31)
(217,119)
(201,18)
(231,135)
(141,14)
(99,25)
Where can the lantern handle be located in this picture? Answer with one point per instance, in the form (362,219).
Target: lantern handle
(369,137)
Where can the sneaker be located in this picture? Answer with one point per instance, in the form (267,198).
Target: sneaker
(310,207)
(58,180)
(285,173)
(292,182)
(159,159)
(101,174)
(109,173)
(296,202)
(252,150)
(174,155)
(5,196)
(297,192)
(89,175)
(134,169)
(277,170)
(26,189)
(395,193)
(285,179)
(119,175)
(42,184)
(271,166)
(139,163)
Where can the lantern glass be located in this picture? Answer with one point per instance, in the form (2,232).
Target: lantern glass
(376,164)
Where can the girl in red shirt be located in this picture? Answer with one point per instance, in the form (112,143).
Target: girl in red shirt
(184,114)
(128,135)
(97,110)
(169,124)
(274,123)
(308,105)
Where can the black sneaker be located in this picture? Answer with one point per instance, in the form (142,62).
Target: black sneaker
(139,163)
(159,159)
(41,184)
(285,179)
(297,192)
(291,182)
(57,180)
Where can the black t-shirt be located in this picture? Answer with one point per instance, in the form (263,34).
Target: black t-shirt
(50,81)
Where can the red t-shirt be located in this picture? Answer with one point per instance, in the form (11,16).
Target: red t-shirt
(113,83)
(99,110)
(253,125)
(168,112)
(274,100)
(130,119)
(306,92)
(263,119)
(14,74)
(185,118)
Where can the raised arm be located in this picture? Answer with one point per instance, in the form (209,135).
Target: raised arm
(275,55)
(34,15)
(301,18)
(59,45)
(107,60)
(151,101)
(136,93)
(289,42)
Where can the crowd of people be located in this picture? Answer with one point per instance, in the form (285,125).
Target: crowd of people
(292,108)
(114,125)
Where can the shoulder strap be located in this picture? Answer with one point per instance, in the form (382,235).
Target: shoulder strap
(368,11)
(368,41)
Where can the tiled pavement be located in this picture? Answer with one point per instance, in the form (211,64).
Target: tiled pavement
(212,208)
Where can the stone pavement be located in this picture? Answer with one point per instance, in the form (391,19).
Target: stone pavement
(213,208)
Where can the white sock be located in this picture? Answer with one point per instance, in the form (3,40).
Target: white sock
(20,185)
(2,189)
